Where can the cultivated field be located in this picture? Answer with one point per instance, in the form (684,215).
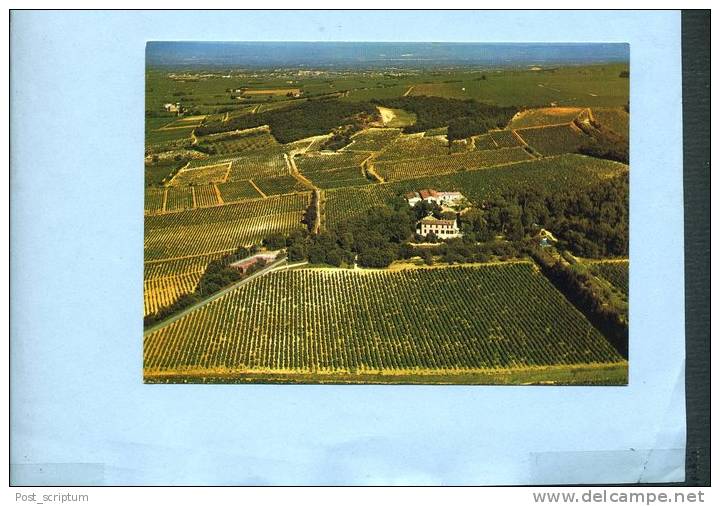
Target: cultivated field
(267,163)
(406,169)
(238,190)
(554,140)
(311,164)
(414,146)
(222,228)
(179,198)
(328,322)
(505,139)
(348,176)
(374,139)
(614,271)
(201,175)
(154,199)
(165,281)
(544,117)
(279,185)
(240,142)
(615,119)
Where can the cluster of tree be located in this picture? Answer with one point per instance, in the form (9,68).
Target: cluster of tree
(341,136)
(625,74)
(584,292)
(464,250)
(218,273)
(604,143)
(310,217)
(590,223)
(462,128)
(184,301)
(434,112)
(370,240)
(312,117)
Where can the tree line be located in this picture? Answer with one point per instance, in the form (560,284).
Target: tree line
(312,117)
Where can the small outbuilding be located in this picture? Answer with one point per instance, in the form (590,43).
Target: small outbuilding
(246,263)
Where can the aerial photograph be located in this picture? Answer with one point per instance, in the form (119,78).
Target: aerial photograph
(386,213)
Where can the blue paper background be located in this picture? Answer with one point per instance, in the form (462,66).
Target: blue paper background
(80,413)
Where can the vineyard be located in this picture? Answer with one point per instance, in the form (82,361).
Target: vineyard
(311,164)
(267,163)
(544,117)
(344,203)
(374,139)
(615,119)
(505,139)
(221,228)
(154,198)
(240,142)
(407,169)
(554,140)
(179,198)
(483,142)
(549,174)
(201,175)
(162,292)
(364,322)
(205,196)
(616,272)
(414,146)
(279,185)
(349,176)
(165,281)
(238,190)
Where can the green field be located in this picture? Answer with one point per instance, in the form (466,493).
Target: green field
(513,308)
(595,85)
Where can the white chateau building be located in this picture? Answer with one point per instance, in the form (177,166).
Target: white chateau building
(436,197)
(444,229)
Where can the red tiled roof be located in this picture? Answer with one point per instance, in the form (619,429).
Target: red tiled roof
(428,193)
